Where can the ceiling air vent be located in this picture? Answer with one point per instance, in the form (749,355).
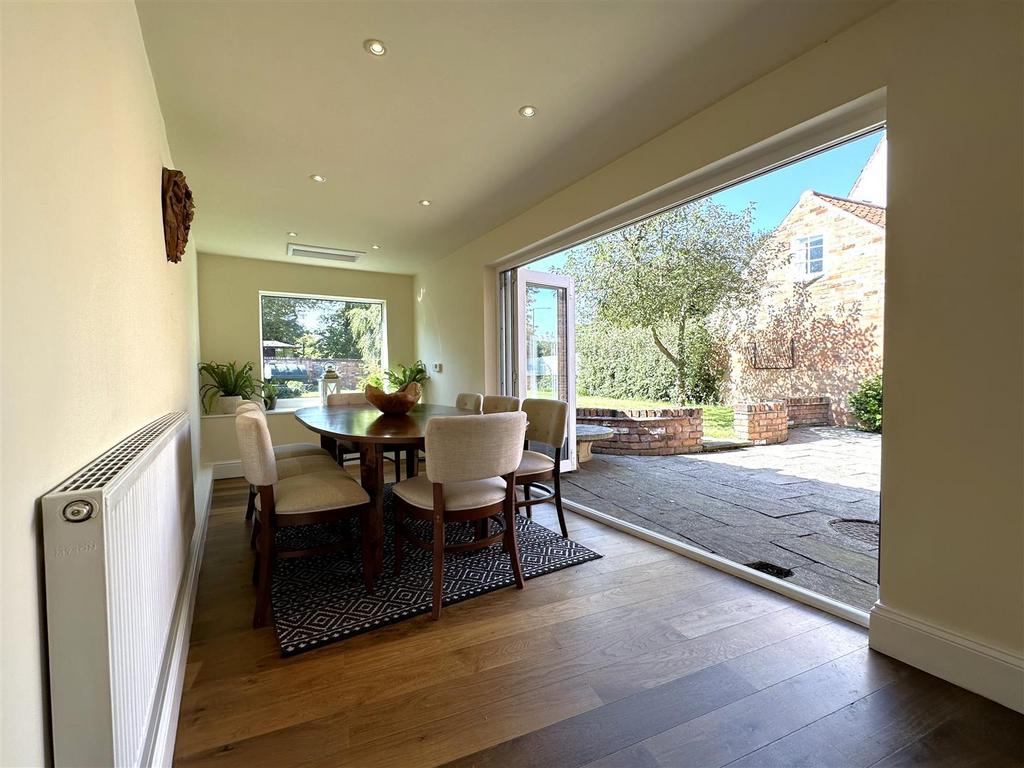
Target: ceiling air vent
(320,252)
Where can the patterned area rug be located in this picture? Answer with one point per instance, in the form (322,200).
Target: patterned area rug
(321,600)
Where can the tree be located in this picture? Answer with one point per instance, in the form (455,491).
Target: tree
(281,319)
(667,274)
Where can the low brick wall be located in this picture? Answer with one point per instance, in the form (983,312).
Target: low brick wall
(662,432)
(808,411)
(762,423)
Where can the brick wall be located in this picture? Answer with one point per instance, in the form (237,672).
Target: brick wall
(662,432)
(835,322)
(808,411)
(762,423)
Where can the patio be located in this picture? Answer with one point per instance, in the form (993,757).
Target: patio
(781,505)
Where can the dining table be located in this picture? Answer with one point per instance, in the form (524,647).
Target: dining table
(375,432)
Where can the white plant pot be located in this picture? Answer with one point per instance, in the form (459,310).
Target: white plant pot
(227,404)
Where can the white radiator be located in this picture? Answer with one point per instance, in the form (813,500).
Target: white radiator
(118,537)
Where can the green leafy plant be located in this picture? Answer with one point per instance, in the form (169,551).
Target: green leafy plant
(399,377)
(866,403)
(270,393)
(226,379)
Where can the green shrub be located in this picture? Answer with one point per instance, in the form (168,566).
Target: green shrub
(866,403)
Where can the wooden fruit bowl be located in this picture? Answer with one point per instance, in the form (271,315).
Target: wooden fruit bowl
(399,402)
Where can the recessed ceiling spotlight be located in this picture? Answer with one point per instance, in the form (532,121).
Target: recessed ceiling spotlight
(293,234)
(375,47)
(318,178)
(424,202)
(375,247)
(527,111)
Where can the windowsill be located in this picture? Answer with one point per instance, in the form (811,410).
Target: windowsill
(285,409)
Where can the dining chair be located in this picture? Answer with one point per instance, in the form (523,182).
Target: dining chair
(285,451)
(346,450)
(470,401)
(500,404)
(546,421)
(470,476)
(324,494)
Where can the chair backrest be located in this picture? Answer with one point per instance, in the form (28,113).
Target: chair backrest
(461,448)
(248,405)
(255,448)
(469,401)
(547,420)
(346,398)
(500,404)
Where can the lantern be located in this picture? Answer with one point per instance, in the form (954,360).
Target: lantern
(330,383)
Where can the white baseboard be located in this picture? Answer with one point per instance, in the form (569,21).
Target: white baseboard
(792,591)
(223,470)
(164,720)
(990,672)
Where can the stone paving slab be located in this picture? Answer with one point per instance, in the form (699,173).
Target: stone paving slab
(762,503)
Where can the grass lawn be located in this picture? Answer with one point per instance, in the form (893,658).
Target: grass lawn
(717,418)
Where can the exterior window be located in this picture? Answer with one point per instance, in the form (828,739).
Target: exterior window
(810,255)
(301,335)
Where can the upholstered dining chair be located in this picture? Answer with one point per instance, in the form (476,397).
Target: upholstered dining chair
(470,476)
(500,404)
(470,401)
(546,424)
(323,493)
(281,452)
(345,450)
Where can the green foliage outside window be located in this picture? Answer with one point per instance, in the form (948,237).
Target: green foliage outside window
(866,403)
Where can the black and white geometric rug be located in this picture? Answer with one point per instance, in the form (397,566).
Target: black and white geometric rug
(321,600)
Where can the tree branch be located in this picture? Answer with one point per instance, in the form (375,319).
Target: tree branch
(664,350)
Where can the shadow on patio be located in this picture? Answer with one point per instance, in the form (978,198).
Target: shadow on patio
(784,505)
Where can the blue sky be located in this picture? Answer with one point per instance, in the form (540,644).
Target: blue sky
(832,172)
(774,194)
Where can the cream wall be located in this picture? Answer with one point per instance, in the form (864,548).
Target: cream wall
(952,549)
(229,326)
(98,329)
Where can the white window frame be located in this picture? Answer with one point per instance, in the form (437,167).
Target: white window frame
(799,250)
(293,403)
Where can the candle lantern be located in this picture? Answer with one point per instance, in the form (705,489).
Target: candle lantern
(330,383)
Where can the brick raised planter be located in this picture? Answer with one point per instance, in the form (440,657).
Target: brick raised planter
(808,411)
(762,423)
(661,432)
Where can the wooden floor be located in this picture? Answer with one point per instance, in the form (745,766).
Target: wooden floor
(642,658)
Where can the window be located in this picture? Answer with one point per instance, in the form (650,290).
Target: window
(810,255)
(301,335)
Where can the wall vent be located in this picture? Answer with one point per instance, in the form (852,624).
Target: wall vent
(320,252)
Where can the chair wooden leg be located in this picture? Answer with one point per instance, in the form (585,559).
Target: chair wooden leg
(250,507)
(512,543)
(255,532)
(526,495)
(438,563)
(482,528)
(558,503)
(266,565)
(398,466)
(399,538)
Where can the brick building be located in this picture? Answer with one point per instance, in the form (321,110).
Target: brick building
(818,330)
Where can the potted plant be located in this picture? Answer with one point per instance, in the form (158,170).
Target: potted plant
(405,383)
(228,385)
(270,393)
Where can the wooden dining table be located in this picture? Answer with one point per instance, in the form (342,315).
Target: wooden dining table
(375,432)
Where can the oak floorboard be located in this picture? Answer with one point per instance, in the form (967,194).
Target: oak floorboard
(641,658)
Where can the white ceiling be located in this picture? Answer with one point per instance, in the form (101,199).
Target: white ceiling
(258,96)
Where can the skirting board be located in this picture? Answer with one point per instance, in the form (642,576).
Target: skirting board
(224,470)
(791,591)
(164,720)
(987,671)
